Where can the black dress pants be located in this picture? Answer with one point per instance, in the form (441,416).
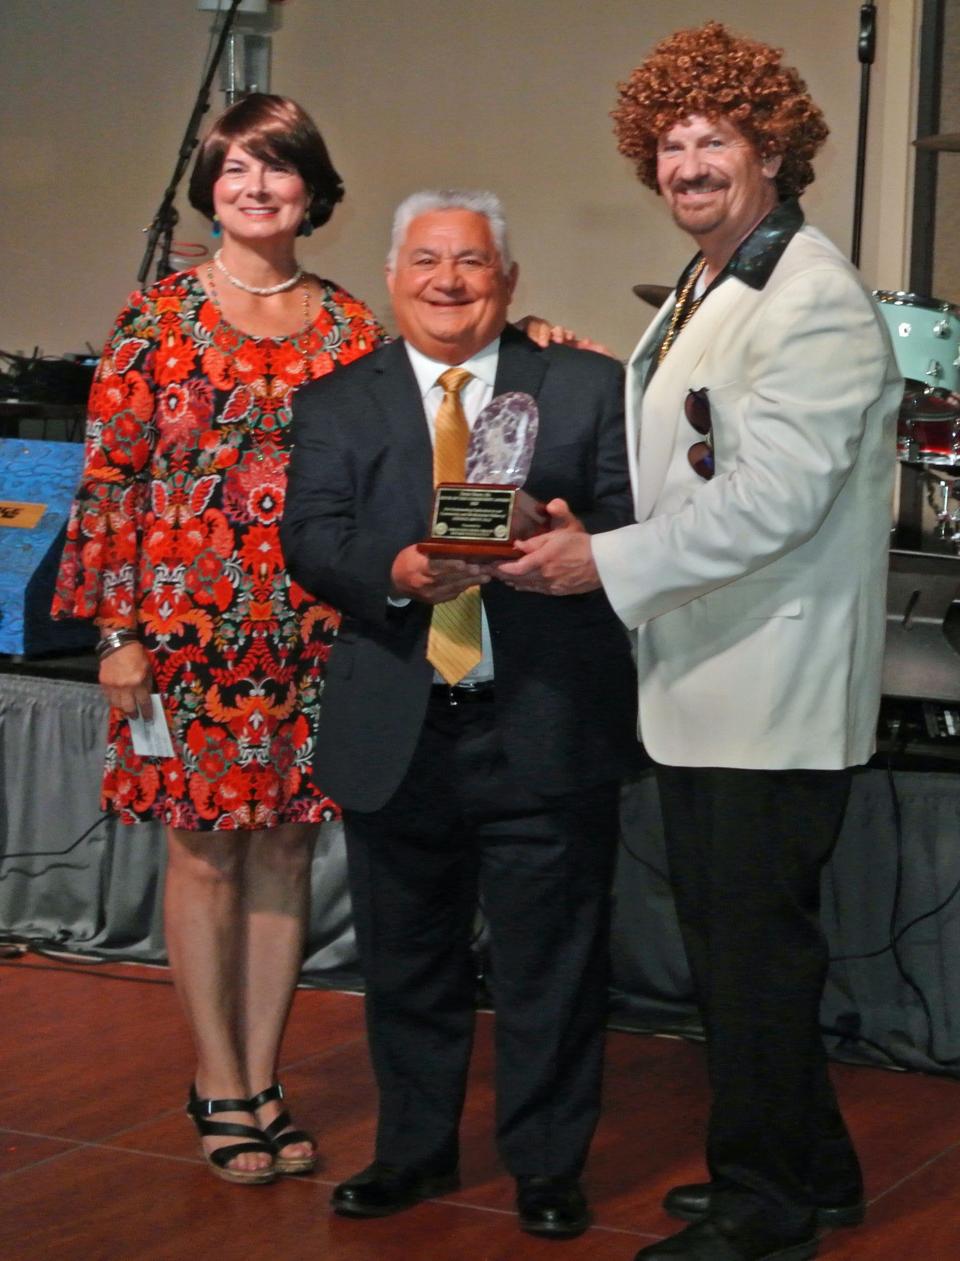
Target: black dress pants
(745,851)
(460,827)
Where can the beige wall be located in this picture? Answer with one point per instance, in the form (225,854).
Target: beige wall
(514,94)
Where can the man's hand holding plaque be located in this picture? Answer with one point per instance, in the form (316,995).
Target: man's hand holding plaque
(483,517)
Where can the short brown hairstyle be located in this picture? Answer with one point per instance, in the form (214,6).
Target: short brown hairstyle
(271,129)
(710,72)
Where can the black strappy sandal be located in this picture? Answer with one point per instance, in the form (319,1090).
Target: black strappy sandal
(200,1110)
(279,1136)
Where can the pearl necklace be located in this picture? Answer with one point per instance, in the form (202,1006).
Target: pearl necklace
(306,295)
(262,292)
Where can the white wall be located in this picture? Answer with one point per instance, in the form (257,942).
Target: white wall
(514,94)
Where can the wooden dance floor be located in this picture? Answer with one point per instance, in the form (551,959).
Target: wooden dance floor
(98,1163)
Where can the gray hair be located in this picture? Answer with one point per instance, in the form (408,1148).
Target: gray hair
(480,201)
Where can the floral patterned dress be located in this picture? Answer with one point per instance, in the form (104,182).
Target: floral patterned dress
(175,531)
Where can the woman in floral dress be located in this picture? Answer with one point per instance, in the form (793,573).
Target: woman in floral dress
(173,551)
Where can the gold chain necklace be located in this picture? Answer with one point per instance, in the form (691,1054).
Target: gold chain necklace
(682,314)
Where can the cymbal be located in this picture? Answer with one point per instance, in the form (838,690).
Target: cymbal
(948,142)
(656,295)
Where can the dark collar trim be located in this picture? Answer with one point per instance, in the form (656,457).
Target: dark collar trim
(758,255)
(755,258)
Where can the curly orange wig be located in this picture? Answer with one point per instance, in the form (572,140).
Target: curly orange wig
(708,71)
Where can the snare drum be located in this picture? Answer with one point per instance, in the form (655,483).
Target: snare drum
(926,338)
(928,430)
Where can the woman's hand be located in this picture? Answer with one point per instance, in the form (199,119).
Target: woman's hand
(542,333)
(126,678)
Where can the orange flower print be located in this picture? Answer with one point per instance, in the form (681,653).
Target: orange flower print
(174,779)
(257,488)
(216,367)
(260,552)
(289,365)
(159,541)
(207,581)
(322,364)
(231,791)
(116,393)
(174,358)
(209,316)
(212,748)
(135,787)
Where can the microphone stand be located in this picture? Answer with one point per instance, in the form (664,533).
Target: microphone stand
(166,217)
(866,50)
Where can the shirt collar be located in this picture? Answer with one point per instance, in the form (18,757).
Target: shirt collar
(757,255)
(483,365)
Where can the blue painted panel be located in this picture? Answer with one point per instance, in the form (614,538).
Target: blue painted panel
(47,473)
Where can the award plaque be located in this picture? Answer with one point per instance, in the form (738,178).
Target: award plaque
(481,518)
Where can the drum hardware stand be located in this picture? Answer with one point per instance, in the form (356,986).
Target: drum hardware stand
(165,220)
(940,491)
(925,521)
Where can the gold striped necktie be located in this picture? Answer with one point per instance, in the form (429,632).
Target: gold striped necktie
(453,647)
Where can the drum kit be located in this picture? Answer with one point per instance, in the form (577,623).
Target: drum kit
(926,342)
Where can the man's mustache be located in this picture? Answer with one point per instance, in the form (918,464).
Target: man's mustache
(703,185)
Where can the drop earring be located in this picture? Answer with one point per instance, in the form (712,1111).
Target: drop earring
(306,228)
(215,227)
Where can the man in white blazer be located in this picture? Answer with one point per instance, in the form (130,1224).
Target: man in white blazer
(761,412)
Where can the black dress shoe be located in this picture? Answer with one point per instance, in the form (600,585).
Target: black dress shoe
(691,1203)
(380,1190)
(552,1206)
(718,1240)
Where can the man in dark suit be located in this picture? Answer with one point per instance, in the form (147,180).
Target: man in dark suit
(475,758)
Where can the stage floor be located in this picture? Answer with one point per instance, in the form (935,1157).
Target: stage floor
(98,1163)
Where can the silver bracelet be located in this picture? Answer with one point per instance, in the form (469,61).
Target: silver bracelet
(113,640)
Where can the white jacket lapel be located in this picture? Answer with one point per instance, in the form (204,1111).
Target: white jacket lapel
(659,409)
(637,368)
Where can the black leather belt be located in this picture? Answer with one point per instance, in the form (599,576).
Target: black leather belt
(462,693)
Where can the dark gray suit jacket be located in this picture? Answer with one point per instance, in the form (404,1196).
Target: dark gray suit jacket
(360,489)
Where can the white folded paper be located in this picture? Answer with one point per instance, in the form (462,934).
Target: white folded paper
(151,736)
